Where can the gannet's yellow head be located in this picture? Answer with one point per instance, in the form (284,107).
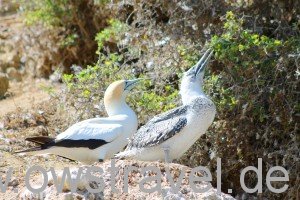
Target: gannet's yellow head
(115,94)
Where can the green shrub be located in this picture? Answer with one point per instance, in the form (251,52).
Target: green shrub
(112,33)
(50,13)
(252,81)
(72,27)
(244,55)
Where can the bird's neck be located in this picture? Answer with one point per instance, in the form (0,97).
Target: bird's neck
(190,91)
(119,107)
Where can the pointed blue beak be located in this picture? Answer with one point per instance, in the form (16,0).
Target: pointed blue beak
(129,84)
(202,63)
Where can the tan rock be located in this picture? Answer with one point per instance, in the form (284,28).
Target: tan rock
(13,182)
(3,84)
(9,59)
(14,74)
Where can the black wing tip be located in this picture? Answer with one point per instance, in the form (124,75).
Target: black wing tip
(69,143)
(40,139)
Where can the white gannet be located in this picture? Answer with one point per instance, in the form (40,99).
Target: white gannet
(169,135)
(94,139)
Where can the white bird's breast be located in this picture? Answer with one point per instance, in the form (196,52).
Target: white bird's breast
(197,124)
(129,126)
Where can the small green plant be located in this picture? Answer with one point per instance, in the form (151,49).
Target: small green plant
(152,101)
(48,89)
(50,13)
(69,40)
(112,33)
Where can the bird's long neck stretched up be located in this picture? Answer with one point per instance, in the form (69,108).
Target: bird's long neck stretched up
(189,90)
(192,81)
(114,101)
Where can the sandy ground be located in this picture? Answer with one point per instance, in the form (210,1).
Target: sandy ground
(24,95)
(22,100)
(28,92)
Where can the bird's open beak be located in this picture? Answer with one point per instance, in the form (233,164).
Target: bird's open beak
(202,63)
(129,84)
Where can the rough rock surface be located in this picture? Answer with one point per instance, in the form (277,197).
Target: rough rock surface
(3,84)
(10,58)
(20,49)
(134,178)
(14,74)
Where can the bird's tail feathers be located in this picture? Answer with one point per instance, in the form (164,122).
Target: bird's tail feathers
(40,139)
(31,151)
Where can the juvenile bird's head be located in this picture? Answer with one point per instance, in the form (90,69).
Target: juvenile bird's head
(115,95)
(192,80)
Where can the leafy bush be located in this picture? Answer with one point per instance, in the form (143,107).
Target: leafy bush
(73,24)
(245,56)
(50,13)
(253,84)
(112,33)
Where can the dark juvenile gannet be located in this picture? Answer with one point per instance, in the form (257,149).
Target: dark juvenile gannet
(94,139)
(169,135)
